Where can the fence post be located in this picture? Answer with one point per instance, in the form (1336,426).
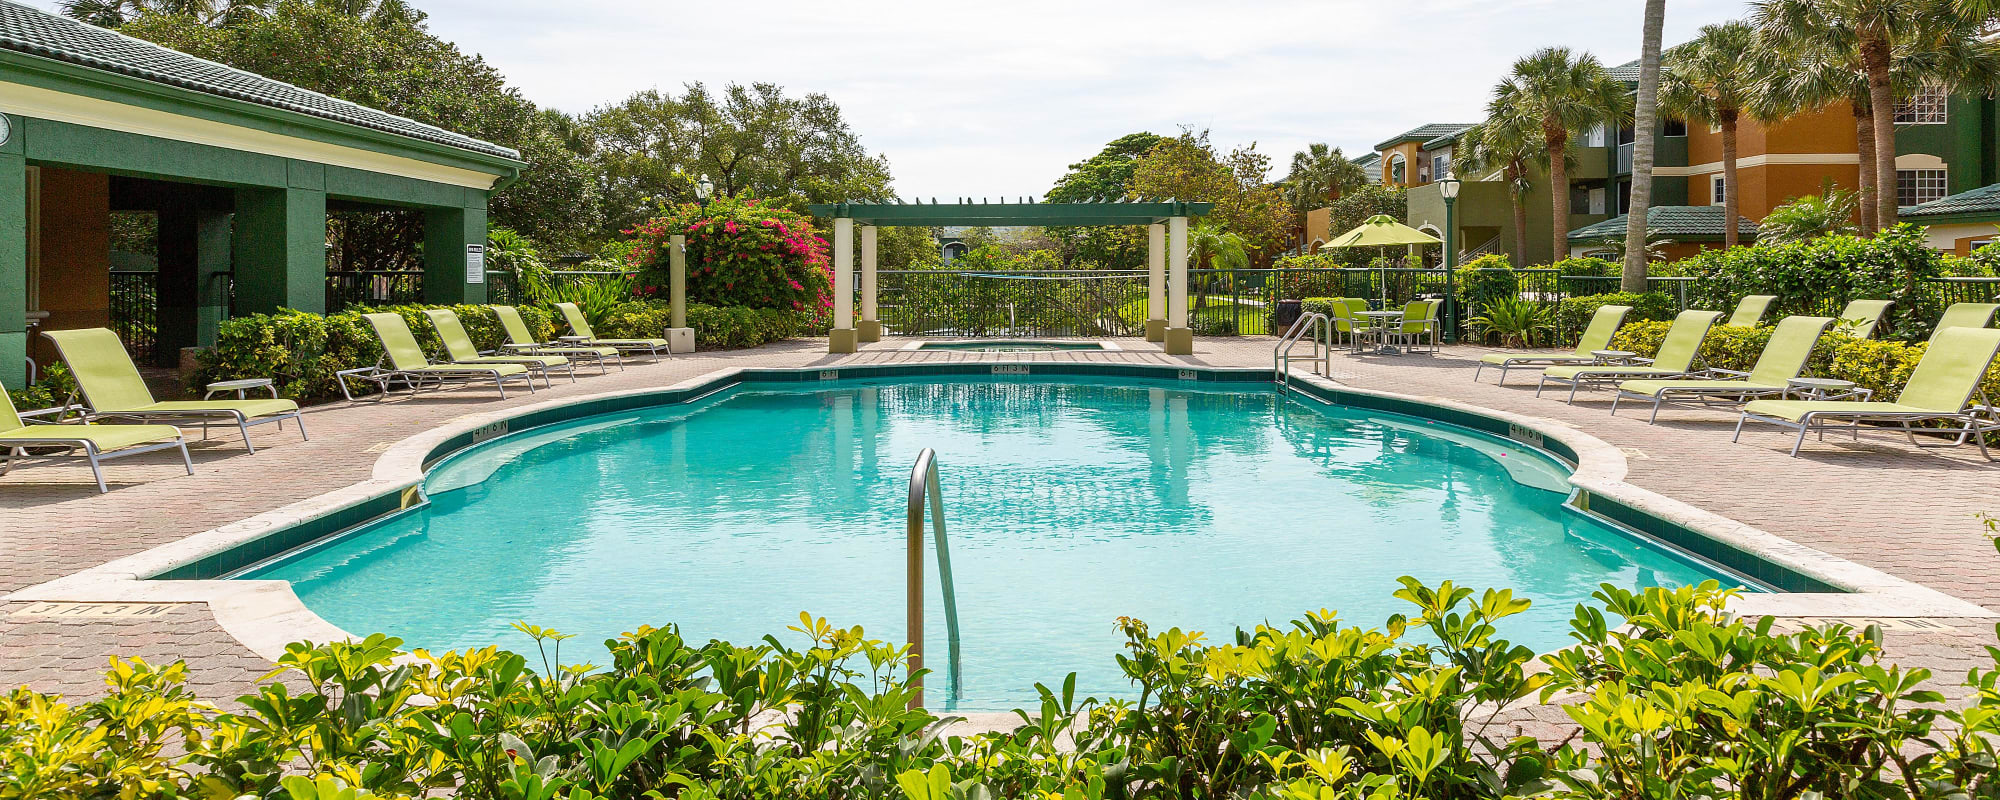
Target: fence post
(680,337)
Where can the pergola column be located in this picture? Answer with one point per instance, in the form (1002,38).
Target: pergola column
(13,264)
(450,238)
(680,337)
(842,338)
(1180,338)
(869,329)
(1156,282)
(280,250)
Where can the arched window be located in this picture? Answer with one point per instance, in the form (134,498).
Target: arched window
(1398,168)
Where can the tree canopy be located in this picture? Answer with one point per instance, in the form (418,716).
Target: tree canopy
(1187,167)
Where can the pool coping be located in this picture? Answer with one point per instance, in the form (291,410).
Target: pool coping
(265,615)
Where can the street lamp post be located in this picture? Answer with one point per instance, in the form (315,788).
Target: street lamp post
(1449,188)
(703,190)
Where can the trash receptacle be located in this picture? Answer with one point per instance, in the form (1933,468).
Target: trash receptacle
(1288,312)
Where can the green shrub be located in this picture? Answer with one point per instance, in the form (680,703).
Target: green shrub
(300,352)
(1883,366)
(1819,276)
(1671,696)
(1573,313)
(1484,281)
(1589,266)
(1515,322)
(714,328)
(53,385)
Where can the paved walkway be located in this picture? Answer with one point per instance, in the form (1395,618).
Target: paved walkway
(1880,502)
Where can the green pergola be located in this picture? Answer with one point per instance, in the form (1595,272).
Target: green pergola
(1166,222)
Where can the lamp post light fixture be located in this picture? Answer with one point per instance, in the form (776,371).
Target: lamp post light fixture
(703,190)
(1449,188)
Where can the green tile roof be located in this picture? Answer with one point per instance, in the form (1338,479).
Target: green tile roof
(1983,201)
(35,32)
(1671,222)
(1424,133)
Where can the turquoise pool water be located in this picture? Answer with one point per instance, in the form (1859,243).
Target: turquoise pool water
(1069,504)
(1010,347)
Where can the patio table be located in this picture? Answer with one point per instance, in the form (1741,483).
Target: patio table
(1379,324)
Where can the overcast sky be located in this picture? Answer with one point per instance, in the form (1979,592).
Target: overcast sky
(996,98)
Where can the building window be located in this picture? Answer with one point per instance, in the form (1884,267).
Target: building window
(1715,189)
(1915,186)
(1596,137)
(1398,169)
(1439,166)
(1926,107)
(1674,127)
(1597,200)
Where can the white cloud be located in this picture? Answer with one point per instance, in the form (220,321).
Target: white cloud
(996,99)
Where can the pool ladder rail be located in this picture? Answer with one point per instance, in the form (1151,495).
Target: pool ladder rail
(1311,326)
(924,491)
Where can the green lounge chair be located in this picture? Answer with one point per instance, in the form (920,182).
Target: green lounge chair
(1944,382)
(1750,310)
(581,328)
(110,386)
(98,442)
(459,349)
(1784,357)
(407,363)
(1965,315)
(1596,336)
(1860,317)
(1674,360)
(520,341)
(1341,317)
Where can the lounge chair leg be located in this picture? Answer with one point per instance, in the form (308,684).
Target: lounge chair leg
(1739,427)
(301,422)
(1614,402)
(1655,418)
(1477,367)
(244,426)
(96,471)
(1538,386)
(501,384)
(1801,441)
(1573,386)
(186,460)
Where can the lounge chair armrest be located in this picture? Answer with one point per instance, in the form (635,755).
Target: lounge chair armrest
(1728,373)
(35,417)
(1640,361)
(518,346)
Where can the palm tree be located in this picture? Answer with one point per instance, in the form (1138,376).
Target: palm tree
(1510,148)
(1810,217)
(1561,93)
(1936,41)
(1318,173)
(1709,80)
(1815,78)
(113,13)
(1646,106)
(1211,247)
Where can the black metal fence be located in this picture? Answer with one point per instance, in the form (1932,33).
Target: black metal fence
(1041,303)
(135,308)
(372,288)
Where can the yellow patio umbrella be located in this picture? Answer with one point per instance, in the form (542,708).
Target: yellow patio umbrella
(1382,231)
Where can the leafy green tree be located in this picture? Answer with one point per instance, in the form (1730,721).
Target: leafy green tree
(1810,217)
(1562,93)
(382,55)
(1319,174)
(1347,213)
(1187,167)
(1507,145)
(750,141)
(1709,80)
(1106,175)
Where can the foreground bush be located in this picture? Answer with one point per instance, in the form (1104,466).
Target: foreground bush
(714,328)
(1683,702)
(1819,276)
(300,352)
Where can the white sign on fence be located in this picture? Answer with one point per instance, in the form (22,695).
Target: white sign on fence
(475,263)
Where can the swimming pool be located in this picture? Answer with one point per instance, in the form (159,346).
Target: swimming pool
(1071,501)
(1004,346)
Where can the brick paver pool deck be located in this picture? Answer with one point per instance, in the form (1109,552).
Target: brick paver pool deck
(1879,502)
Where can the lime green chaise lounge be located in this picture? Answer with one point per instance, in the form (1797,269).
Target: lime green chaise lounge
(521,341)
(1860,317)
(583,335)
(1675,358)
(459,349)
(1750,310)
(1944,382)
(1784,357)
(407,363)
(1596,336)
(98,442)
(110,386)
(1965,315)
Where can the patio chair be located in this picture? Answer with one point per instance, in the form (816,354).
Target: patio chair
(110,386)
(1784,357)
(1940,389)
(99,443)
(1675,358)
(1750,310)
(1596,336)
(459,349)
(407,363)
(1860,317)
(521,341)
(1416,321)
(1341,316)
(583,336)
(1965,315)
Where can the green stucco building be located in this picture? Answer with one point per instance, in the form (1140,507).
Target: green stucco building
(239,169)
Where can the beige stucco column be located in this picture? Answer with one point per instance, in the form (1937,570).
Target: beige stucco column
(680,337)
(869,329)
(1156,282)
(1180,339)
(842,338)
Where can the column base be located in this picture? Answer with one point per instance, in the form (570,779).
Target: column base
(1156,330)
(680,340)
(840,340)
(868,330)
(1180,341)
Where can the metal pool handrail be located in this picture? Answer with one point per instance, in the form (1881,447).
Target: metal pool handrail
(1304,328)
(924,486)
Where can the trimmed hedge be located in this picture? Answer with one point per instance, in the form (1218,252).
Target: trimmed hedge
(1818,276)
(714,327)
(1883,366)
(1573,313)
(300,351)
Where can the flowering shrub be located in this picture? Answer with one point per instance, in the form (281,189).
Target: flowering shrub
(740,253)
